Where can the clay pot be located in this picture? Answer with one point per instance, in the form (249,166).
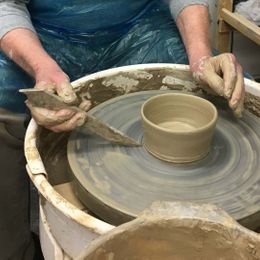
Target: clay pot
(178,127)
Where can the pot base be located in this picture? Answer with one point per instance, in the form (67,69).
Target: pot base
(180,160)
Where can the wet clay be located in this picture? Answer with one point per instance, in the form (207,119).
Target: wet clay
(252,103)
(178,127)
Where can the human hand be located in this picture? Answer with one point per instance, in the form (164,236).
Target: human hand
(56,81)
(224,75)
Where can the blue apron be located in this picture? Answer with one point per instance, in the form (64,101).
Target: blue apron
(85,36)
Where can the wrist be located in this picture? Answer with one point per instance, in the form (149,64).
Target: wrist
(196,66)
(196,56)
(196,50)
(43,64)
(49,72)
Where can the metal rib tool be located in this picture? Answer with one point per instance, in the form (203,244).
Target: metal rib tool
(47,100)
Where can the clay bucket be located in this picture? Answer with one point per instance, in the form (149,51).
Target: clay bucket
(177,230)
(178,127)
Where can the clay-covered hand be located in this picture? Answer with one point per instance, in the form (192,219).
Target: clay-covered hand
(224,75)
(64,119)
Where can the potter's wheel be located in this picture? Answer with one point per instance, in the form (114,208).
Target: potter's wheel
(118,182)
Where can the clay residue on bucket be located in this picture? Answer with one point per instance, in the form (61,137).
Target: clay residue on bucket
(186,231)
(102,89)
(53,151)
(189,243)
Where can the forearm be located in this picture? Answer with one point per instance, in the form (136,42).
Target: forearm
(19,41)
(221,73)
(29,55)
(193,23)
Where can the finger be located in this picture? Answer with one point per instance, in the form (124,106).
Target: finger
(239,90)
(240,107)
(85,105)
(75,121)
(215,82)
(228,67)
(66,92)
(45,117)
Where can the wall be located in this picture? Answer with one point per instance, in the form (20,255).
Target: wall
(247,52)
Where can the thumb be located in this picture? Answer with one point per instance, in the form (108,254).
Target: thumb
(65,91)
(214,81)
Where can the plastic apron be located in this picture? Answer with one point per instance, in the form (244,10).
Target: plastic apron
(85,36)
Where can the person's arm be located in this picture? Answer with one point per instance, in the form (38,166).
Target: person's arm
(193,24)
(18,38)
(24,48)
(19,41)
(222,73)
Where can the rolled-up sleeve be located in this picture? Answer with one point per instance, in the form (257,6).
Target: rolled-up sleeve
(176,6)
(13,15)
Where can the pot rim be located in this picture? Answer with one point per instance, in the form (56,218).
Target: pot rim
(184,132)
